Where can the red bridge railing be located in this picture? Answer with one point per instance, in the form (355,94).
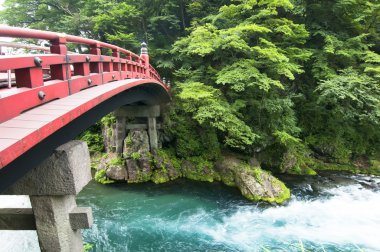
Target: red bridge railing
(40,78)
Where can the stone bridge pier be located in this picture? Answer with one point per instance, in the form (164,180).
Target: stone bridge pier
(149,113)
(52,187)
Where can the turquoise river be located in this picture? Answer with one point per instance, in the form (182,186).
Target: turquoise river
(326,213)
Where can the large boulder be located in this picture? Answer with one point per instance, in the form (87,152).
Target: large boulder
(117,172)
(137,156)
(111,166)
(254,183)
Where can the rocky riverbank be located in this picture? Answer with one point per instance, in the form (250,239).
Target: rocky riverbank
(138,164)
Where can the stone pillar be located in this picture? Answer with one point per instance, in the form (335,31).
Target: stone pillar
(120,132)
(152,132)
(52,187)
(53,223)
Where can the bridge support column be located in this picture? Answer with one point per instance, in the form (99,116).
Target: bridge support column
(152,132)
(120,132)
(141,111)
(52,187)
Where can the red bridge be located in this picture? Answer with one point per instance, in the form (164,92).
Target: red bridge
(56,96)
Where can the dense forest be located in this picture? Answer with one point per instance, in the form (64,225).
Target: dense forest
(293,83)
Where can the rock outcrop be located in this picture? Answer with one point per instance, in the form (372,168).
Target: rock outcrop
(165,169)
(137,164)
(254,183)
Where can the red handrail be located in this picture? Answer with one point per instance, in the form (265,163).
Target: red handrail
(68,73)
(16,32)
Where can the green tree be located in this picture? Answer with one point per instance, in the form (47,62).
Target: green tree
(249,54)
(338,108)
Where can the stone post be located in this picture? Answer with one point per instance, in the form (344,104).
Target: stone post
(152,132)
(144,55)
(52,187)
(120,132)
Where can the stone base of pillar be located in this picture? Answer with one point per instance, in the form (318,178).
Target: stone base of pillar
(52,187)
(53,223)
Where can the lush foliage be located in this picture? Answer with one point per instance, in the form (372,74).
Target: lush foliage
(286,81)
(93,138)
(101,177)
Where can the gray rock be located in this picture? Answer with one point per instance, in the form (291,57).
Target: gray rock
(226,168)
(253,184)
(137,156)
(138,170)
(137,141)
(117,172)
(65,172)
(109,137)
(132,169)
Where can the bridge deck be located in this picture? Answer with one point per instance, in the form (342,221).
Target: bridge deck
(21,133)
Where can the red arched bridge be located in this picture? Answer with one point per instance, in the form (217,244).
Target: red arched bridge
(55,96)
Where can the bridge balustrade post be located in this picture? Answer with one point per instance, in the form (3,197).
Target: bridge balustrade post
(145,56)
(29,77)
(52,187)
(117,65)
(60,72)
(95,66)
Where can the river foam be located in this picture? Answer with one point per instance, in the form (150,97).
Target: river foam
(349,218)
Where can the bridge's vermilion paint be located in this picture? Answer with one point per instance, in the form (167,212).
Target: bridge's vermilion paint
(70,76)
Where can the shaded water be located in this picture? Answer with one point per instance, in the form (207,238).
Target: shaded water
(194,216)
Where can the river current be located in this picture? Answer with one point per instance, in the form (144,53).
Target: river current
(326,213)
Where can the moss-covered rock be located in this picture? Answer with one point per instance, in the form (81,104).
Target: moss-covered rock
(200,169)
(100,177)
(166,166)
(108,127)
(254,183)
(372,169)
(138,170)
(136,144)
(160,176)
(226,167)
(111,166)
